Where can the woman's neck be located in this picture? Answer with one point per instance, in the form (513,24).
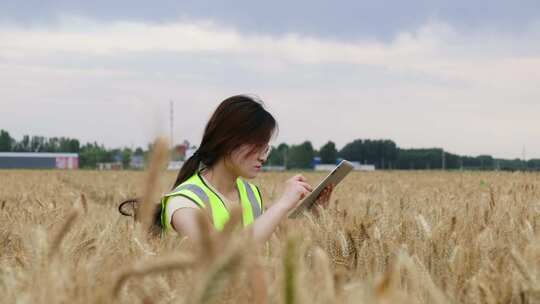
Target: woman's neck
(221,178)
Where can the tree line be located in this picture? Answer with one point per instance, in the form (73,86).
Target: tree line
(89,154)
(382,153)
(385,154)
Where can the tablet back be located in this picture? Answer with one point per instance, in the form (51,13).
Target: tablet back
(335,177)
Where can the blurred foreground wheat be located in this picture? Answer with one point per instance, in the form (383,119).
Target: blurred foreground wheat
(407,237)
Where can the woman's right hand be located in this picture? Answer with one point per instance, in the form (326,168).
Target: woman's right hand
(296,188)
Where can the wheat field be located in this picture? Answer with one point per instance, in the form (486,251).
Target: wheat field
(389,237)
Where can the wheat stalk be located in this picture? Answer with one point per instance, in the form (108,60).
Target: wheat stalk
(57,239)
(214,281)
(150,195)
(290,268)
(164,265)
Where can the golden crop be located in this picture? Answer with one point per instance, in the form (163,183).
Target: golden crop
(389,237)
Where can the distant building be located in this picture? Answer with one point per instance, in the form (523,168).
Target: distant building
(136,162)
(38,160)
(273,168)
(175,165)
(357,166)
(117,157)
(180,151)
(110,166)
(315,161)
(189,152)
(324,167)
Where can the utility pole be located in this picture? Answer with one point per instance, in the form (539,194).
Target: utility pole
(524,159)
(171,123)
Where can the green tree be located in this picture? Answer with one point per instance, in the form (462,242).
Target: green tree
(328,153)
(6,142)
(300,156)
(23,145)
(126,157)
(92,153)
(283,150)
(353,151)
(381,153)
(278,155)
(274,158)
(533,164)
(38,144)
(69,145)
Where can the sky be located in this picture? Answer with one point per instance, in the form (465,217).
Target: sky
(459,75)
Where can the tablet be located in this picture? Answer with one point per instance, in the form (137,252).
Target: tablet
(335,177)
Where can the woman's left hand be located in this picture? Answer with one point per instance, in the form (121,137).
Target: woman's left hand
(323,200)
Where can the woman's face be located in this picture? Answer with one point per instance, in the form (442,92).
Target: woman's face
(247,165)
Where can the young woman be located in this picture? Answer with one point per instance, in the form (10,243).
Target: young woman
(234,146)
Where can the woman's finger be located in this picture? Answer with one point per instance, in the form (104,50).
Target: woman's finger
(322,197)
(327,197)
(325,193)
(307,186)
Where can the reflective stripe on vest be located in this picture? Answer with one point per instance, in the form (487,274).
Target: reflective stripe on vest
(195,189)
(199,192)
(255,207)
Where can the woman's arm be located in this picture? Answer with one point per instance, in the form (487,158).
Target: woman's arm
(184,221)
(264,225)
(182,215)
(296,188)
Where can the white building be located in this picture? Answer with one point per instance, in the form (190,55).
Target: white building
(175,165)
(273,168)
(357,167)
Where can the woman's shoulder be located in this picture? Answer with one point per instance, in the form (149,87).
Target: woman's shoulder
(176,203)
(180,201)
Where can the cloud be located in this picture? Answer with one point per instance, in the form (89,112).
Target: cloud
(435,48)
(436,80)
(342,19)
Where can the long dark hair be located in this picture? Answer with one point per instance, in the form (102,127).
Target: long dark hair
(238,120)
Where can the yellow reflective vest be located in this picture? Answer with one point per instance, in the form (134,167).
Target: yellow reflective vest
(195,189)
